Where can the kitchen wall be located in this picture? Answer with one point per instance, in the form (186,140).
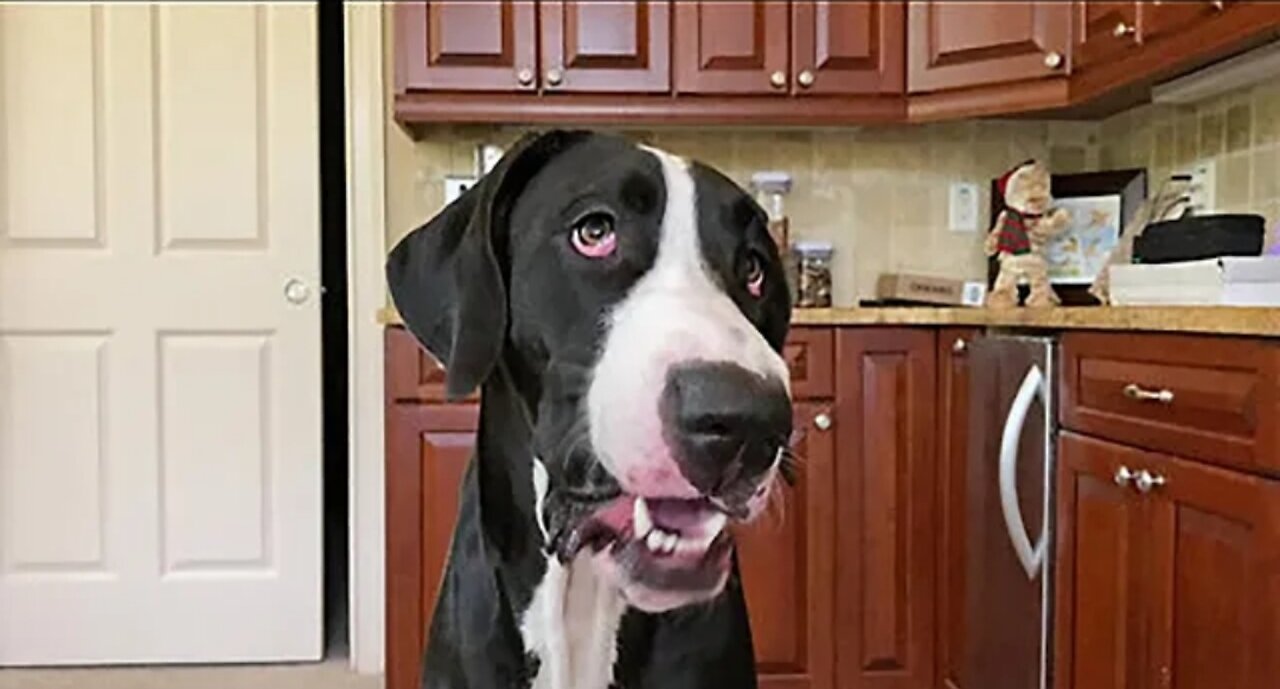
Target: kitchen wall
(879,194)
(1239,131)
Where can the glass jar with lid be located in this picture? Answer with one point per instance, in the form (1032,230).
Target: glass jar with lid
(813,273)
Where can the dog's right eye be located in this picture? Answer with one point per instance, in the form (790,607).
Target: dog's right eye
(593,236)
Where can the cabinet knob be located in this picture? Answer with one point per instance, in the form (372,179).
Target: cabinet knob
(1122,29)
(554,76)
(1124,475)
(525,76)
(1053,59)
(805,78)
(1147,481)
(296,291)
(822,421)
(959,346)
(778,79)
(1135,392)
(1219,5)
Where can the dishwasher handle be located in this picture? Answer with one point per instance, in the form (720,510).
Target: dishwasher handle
(1031,556)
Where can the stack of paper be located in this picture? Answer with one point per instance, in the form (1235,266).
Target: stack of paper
(1226,281)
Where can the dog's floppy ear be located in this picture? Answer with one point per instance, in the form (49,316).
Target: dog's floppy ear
(445,276)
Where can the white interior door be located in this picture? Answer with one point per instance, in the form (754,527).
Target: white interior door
(160,426)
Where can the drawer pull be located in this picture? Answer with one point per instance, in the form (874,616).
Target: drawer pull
(1134,392)
(1124,475)
(1147,481)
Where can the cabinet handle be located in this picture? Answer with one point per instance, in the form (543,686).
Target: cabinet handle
(1219,5)
(1053,59)
(822,421)
(1124,475)
(525,76)
(959,346)
(1147,481)
(778,79)
(806,79)
(554,76)
(1122,29)
(1134,392)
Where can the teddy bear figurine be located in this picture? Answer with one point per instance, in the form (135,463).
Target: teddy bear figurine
(1020,234)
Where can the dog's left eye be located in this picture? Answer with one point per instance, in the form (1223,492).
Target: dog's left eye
(755,274)
(593,236)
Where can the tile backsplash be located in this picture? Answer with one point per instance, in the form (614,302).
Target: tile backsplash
(879,194)
(1238,131)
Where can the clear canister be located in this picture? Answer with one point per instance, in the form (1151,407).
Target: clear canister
(813,273)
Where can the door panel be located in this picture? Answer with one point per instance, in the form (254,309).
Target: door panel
(884,517)
(848,47)
(612,46)
(956,45)
(466,45)
(159,389)
(787,567)
(1214,570)
(1100,572)
(731,47)
(1106,31)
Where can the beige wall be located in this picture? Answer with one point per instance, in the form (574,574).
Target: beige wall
(1239,131)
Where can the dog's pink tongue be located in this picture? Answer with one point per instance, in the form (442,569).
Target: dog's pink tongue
(678,515)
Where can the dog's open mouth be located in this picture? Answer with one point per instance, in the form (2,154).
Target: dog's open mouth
(663,544)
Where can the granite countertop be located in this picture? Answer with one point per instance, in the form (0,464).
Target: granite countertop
(1180,319)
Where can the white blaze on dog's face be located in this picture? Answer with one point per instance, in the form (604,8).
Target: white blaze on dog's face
(688,405)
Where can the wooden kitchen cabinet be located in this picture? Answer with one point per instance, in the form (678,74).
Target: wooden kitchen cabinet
(466,45)
(1174,583)
(885,426)
(732,47)
(840,47)
(787,559)
(621,46)
(953,45)
(1107,31)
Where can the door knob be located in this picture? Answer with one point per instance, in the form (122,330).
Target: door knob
(1147,481)
(778,79)
(554,76)
(822,421)
(1053,59)
(806,78)
(296,291)
(1122,29)
(525,76)
(1124,475)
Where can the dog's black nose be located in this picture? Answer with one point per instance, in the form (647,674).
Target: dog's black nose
(725,422)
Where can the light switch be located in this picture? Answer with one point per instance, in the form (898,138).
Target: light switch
(455,186)
(962,209)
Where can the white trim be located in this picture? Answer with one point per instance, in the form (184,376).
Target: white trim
(366,246)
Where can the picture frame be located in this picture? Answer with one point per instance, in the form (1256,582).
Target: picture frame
(1102,204)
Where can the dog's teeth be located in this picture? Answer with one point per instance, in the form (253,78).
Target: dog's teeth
(655,540)
(669,545)
(716,524)
(642,523)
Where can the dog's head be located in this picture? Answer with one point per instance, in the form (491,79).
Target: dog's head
(637,302)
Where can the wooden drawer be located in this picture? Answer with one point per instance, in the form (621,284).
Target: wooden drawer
(810,357)
(413,375)
(1209,398)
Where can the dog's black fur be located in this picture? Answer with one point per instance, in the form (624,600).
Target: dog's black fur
(492,290)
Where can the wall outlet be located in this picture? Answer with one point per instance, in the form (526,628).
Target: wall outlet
(962,208)
(457,185)
(1204,188)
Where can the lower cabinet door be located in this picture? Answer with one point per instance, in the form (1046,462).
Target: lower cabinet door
(787,559)
(885,439)
(1099,572)
(1214,576)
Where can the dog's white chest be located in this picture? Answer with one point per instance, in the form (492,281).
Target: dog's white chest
(572,627)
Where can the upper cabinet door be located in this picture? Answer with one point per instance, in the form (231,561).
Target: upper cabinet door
(843,47)
(467,45)
(606,46)
(959,44)
(731,47)
(1105,31)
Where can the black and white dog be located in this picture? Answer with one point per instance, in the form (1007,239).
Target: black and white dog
(622,310)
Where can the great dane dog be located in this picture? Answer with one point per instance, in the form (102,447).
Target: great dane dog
(622,311)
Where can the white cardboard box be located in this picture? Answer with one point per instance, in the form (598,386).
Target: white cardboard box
(1226,281)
